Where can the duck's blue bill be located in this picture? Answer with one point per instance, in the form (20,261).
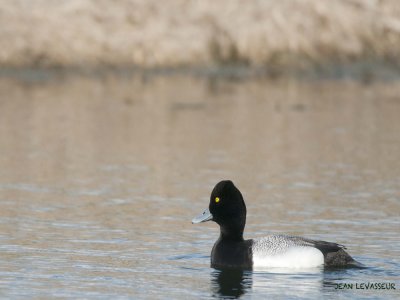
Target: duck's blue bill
(204,217)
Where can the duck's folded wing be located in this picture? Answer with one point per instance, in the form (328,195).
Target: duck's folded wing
(327,247)
(281,243)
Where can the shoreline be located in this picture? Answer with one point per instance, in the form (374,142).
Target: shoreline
(359,71)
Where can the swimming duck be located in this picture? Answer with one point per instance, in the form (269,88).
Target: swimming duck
(228,210)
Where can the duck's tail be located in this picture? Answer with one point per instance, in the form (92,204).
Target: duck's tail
(341,259)
(335,255)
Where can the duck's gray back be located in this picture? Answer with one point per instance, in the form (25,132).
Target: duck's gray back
(276,244)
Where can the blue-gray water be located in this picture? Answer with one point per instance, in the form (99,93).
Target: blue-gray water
(100,178)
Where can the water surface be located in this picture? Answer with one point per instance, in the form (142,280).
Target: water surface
(100,177)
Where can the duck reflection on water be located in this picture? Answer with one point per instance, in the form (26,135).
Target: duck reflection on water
(230,282)
(234,283)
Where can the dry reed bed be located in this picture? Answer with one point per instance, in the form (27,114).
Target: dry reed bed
(175,33)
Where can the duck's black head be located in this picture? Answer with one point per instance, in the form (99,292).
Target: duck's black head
(227,209)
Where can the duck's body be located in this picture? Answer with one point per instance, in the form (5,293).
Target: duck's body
(279,251)
(227,208)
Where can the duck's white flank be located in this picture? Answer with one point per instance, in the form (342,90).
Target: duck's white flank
(296,257)
(280,251)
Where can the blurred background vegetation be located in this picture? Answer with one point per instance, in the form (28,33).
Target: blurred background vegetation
(267,37)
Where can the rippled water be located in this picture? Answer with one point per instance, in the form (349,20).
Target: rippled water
(100,178)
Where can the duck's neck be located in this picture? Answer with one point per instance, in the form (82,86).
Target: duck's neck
(232,231)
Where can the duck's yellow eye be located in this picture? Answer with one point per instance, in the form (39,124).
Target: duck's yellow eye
(216,199)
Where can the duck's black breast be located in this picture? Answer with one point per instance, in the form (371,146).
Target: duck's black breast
(232,254)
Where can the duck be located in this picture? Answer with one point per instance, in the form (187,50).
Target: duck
(228,209)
